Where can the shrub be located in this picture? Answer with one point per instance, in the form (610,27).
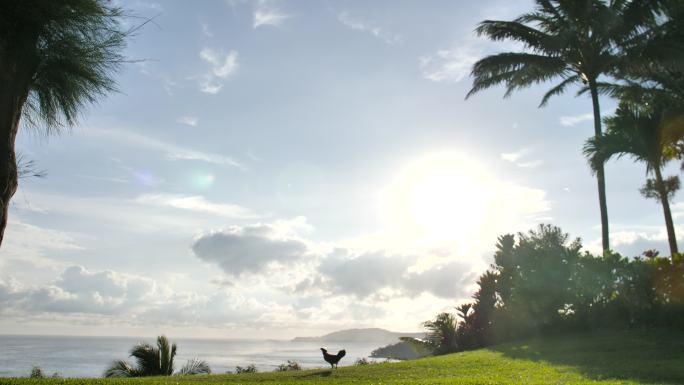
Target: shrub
(37,372)
(247,369)
(288,366)
(364,361)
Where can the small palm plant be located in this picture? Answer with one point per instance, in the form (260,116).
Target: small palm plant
(155,361)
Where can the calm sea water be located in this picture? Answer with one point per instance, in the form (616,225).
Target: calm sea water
(90,356)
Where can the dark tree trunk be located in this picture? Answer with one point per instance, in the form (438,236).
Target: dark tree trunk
(662,193)
(600,173)
(11,103)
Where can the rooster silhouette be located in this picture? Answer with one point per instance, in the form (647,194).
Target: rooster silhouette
(333,359)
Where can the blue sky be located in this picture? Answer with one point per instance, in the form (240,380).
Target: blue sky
(278,168)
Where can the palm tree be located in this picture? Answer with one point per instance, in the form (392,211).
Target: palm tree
(442,333)
(155,361)
(643,136)
(55,58)
(577,41)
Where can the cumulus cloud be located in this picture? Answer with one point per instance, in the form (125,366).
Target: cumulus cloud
(247,249)
(107,296)
(221,67)
(390,276)
(78,290)
(196,203)
(573,120)
(632,242)
(360,25)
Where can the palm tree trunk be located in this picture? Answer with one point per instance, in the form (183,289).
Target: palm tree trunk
(10,113)
(662,193)
(600,173)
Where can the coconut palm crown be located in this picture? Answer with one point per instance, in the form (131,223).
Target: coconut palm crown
(576,41)
(155,361)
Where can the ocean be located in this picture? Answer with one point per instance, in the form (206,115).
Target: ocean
(73,356)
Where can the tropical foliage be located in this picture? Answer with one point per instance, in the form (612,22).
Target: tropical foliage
(542,282)
(577,42)
(155,361)
(56,57)
(642,135)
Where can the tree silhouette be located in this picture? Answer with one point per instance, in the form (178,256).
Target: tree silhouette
(577,41)
(642,136)
(55,58)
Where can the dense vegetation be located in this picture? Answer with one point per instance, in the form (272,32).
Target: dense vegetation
(635,357)
(543,284)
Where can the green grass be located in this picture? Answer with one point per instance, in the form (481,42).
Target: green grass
(634,357)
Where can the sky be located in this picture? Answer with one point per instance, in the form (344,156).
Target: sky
(281,168)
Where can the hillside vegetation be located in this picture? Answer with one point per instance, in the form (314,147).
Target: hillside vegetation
(628,357)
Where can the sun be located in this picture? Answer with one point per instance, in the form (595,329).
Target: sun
(441,197)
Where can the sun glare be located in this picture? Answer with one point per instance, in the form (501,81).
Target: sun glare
(441,197)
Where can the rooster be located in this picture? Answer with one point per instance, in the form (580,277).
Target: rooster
(333,359)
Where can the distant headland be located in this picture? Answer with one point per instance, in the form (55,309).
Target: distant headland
(378,335)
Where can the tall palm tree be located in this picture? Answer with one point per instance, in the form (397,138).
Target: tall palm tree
(55,58)
(642,135)
(577,41)
(155,361)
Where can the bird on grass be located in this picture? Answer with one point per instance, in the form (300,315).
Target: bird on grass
(333,359)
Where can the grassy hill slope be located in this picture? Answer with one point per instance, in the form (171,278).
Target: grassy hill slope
(634,357)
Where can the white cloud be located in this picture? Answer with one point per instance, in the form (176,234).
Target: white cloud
(453,64)
(391,276)
(513,156)
(196,203)
(518,156)
(206,31)
(364,26)
(107,296)
(267,14)
(571,121)
(630,241)
(189,120)
(222,66)
(270,17)
(449,65)
(34,244)
(172,151)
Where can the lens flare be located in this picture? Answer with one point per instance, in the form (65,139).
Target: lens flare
(203,180)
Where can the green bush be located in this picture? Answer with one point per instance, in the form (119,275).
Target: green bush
(247,369)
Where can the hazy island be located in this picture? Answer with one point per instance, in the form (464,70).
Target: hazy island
(381,336)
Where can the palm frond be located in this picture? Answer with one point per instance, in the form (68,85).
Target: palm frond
(558,89)
(120,368)
(517,31)
(195,366)
(516,71)
(147,359)
(166,355)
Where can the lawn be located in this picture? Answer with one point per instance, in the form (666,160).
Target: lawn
(629,357)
